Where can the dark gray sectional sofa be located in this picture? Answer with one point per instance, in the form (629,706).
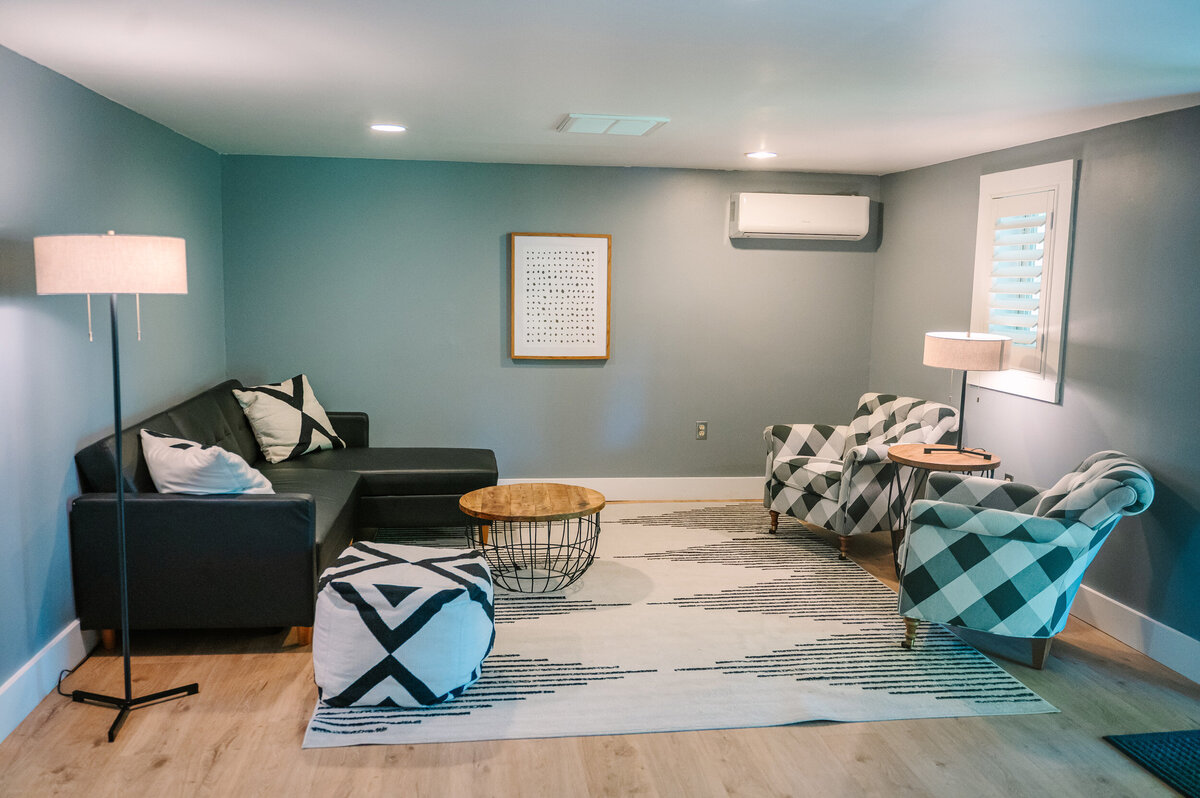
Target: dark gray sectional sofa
(232,561)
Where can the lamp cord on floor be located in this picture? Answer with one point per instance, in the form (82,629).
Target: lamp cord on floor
(61,676)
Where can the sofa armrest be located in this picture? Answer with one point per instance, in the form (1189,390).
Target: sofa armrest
(352,427)
(196,561)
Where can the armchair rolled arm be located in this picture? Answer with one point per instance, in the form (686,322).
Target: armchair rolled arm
(868,453)
(994,523)
(807,440)
(975,491)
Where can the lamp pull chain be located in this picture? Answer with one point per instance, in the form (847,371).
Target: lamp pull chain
(137,299)
(89,306)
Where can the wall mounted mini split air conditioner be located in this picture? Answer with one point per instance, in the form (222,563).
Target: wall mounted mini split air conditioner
(819,217)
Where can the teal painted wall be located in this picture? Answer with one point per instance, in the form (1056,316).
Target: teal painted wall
(387,282)
(1132,359)
(73,162)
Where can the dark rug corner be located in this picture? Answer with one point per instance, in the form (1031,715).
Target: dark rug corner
(1172,756)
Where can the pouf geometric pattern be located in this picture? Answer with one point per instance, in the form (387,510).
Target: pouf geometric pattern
(401,626)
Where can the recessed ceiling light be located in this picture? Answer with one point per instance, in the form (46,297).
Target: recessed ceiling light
(761,154)
(389,128)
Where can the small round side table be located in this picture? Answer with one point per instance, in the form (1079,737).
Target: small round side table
(922,458)
(536,536)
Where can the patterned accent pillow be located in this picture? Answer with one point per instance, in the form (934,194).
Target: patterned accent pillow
(182,466)
(287,419)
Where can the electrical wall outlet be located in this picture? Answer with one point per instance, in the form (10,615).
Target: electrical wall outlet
(701,430)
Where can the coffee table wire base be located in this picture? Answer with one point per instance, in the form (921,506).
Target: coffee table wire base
(538,556)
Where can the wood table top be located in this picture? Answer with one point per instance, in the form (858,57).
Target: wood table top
(531,501)
(943,458)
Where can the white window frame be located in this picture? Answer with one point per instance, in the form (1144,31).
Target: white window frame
(1037,371)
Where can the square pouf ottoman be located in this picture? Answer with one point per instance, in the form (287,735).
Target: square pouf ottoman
(401,626)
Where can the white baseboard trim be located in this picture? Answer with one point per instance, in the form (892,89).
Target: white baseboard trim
(25,689)
(1156,640)
(617,489)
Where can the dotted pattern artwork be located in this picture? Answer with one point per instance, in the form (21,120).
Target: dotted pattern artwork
(560,289)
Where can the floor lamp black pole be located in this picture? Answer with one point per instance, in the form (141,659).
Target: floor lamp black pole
(962,425)
(125,704)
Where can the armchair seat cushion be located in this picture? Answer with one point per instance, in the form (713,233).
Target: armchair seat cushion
(402,471)
(810,474)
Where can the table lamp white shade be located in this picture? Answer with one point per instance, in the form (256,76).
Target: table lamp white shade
(110,264)
(967,351)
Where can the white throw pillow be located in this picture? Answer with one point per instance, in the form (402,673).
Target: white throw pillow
(182,466)
(287,419)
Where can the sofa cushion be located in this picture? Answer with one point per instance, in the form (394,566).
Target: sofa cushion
(178,465)
(287,419)
(403,472)
(333,492)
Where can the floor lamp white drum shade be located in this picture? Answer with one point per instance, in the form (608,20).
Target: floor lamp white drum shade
(110,264)
(967,351)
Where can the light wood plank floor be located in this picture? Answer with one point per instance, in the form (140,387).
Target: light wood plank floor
(241,736)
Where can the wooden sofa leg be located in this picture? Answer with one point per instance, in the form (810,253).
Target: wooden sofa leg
(1041,650)
(910,632)
(303,635)
(774,521)
(843,547)
(108,639)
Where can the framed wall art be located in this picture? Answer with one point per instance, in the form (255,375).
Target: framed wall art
(560,296)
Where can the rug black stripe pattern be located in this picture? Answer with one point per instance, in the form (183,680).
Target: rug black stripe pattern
(694,617)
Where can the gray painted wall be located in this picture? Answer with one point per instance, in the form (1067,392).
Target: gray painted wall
(387,282)
(73,162)
(1132,359)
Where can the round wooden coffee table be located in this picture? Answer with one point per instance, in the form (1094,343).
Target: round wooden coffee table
(536,536)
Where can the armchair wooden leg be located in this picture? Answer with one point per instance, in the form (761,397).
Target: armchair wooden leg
(303,635)
(1041,650)
(910,632)
(774,521)
(843,546)
(108,639)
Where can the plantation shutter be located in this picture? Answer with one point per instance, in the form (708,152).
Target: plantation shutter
(1019,279)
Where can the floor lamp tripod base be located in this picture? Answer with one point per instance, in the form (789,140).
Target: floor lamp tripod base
(124,705)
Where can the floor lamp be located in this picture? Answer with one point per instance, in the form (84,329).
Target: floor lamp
(966,351)
(113,264)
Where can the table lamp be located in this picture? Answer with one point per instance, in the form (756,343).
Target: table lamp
(966,351)
(113,264)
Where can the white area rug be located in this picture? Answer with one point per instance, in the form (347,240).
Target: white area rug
(696,618)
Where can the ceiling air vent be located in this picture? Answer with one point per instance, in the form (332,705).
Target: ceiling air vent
(611,124)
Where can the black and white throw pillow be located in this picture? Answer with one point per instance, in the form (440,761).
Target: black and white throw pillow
(287,419)
(182,466)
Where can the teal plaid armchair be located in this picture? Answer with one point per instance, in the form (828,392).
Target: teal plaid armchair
(1006,558)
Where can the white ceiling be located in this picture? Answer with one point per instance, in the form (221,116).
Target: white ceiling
(864,86)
